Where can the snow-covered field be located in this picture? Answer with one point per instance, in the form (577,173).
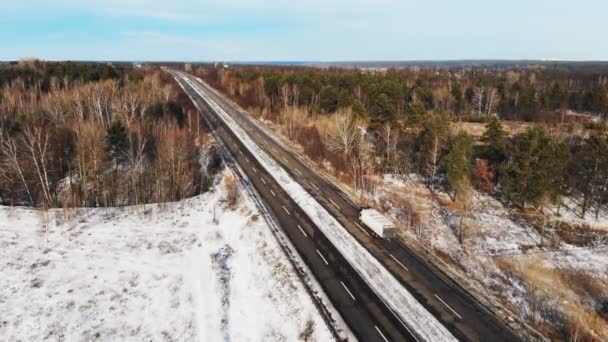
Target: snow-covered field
(188,271)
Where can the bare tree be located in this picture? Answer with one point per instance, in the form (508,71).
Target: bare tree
(478,99)
(464,196)
(11,160)
(389,135)
(343,133)
(284,94)
(492,100)
(36,141)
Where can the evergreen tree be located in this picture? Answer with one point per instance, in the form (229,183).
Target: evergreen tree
(117,142)
(415,113)
(495,139)
(381,111)
(432,141)
(529,105)
(534,161)
(458,98)
(457,163)
(329,99)
(359,109)
(589,168)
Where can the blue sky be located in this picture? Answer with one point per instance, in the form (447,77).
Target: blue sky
(313,30)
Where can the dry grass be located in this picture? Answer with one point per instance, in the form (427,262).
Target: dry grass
(565,298)
(232,191)
(476,129)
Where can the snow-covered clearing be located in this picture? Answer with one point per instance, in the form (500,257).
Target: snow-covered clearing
(379,278)
(187,271)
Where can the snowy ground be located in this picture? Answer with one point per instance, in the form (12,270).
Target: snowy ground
(160,272)
(503,258)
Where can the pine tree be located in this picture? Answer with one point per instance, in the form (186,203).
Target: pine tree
(415,113)
(381,111)
(457,163)
(534,162)
(359,109)
(117,142)
(329,99)
(495,139)
(590,169)
(431,145)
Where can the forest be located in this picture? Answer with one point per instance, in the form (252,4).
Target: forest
(93,134)
(372,121)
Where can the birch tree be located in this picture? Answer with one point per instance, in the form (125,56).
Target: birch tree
(343,133)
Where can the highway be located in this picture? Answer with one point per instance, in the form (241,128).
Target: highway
(362,310)
(367,317)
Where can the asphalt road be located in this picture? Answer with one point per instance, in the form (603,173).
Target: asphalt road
(367,317)
(447,301)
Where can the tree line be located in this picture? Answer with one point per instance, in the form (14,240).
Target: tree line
(364,123)
(530,94)
(125,137)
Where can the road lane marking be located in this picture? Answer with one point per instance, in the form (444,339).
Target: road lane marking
(347,290)
(255,170)
(272,192)
(247,159)
(286,161)
(241,152)
(263,181)
(449,307)
(316,187)
(365,231)
(381,334)
(399,262)
(322,257)
(334,203)
(298,171)
(274,149)
(287,211)
(302,230)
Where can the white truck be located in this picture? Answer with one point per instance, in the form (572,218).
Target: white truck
(381,225)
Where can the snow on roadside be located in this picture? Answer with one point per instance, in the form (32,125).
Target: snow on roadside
(379,279)
(159,272)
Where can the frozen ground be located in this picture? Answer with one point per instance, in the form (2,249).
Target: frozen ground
(160,272)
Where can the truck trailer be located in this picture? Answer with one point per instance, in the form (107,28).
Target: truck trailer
(379,224)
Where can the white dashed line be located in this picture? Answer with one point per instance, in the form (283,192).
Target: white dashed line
(287,211)
(272,192)
(286,161)
(316,187)
(381,334)
(263,181)
(365,231)
(254,170)
(298,171)
(446,304)
(334,203)
(347,290)
(302,230)
(322,257)
(399,262)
